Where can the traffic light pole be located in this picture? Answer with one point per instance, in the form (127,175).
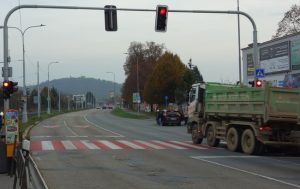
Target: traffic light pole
(5,29)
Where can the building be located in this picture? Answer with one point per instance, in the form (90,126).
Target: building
(280,59)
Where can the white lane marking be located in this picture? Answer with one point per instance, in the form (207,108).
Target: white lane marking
(248,172)
(112,136)
(110,144)
(189,145)
(169,145)
(150,145)
(89,145)
(222,157)
(75,134)
(97,126)
(68,145)
(130,144)
(47,145)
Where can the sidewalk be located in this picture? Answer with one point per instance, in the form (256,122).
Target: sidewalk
(6,181)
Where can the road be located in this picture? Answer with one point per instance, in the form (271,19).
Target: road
(94,149)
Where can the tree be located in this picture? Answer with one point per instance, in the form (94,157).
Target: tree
(290,23)
(144,57)
(190,77)
(164,79)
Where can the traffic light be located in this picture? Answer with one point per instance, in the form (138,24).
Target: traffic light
(251,83)
(161,18)
(110,16)
(258,83)
(6,88)
(9,87)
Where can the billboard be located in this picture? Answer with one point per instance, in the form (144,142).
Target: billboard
(11,126)
(275,58)
(295,54)
(250,65)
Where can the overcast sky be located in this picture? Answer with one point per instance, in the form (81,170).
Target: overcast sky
(78,40)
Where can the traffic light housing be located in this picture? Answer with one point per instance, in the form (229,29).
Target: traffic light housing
(14,87)
(161,18)
(9,87)
(110,16)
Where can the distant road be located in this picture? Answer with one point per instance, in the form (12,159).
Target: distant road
(94,149)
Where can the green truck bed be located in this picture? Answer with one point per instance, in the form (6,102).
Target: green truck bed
(268,103)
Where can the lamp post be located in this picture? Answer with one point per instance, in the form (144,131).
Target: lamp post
(24,114)
(137,82)
(114,86)
(239,43)
(48,111)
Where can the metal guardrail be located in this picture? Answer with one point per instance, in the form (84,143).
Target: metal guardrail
(26,173)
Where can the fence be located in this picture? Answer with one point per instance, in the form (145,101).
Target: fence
(21,171)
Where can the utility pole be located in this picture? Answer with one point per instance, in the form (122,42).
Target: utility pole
(58,101)
(239,44)
(38,90)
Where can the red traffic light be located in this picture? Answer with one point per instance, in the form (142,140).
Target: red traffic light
(258,83)
(161,18)
(163,11)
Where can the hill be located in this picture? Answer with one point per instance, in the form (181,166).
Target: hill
(81,85)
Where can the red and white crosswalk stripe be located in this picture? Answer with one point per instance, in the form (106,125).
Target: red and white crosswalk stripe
(37,145)
(169,145)
(148,144)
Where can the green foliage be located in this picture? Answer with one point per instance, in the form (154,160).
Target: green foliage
(121,113)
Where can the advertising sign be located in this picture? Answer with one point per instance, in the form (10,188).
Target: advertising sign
(295,54)
(11,125)
(275,58)
(250,65)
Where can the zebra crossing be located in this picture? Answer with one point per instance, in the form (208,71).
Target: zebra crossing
(54,145)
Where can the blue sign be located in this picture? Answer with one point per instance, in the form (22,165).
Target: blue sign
(166,97)
(259,73)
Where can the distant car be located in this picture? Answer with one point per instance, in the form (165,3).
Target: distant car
(98,107)
(104,107)
(171,118)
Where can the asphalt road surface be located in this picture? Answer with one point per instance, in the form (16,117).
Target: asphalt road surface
(94,149)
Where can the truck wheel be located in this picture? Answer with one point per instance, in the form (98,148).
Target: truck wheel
(195,136)
(233,139)
(250,145)
(248,142)
(211,137)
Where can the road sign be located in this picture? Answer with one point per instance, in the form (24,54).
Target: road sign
(136,98)
(259,73)
(166,97)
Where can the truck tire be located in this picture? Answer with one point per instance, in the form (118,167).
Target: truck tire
(250,145)
(211,139)
(196,138)
(233,139)
(248,142)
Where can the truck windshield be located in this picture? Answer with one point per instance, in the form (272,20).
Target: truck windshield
(192,95)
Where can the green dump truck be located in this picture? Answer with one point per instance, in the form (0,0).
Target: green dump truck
(247,118)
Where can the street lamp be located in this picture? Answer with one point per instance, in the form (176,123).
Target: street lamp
(48,111)
(24,114)
(114,87)
(137,82)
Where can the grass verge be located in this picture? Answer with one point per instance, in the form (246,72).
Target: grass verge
(134,115)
